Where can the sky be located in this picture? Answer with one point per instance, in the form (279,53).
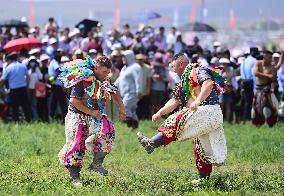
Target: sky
(69,12)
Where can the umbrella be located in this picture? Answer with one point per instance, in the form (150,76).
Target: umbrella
(197,26)
(13,23)
(87,24)
(150,15)
(18,44)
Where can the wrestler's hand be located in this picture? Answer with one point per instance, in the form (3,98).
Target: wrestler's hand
(96,114)
(156,117)
(122,115)
(193,106)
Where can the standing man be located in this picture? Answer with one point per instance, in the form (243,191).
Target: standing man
(144,103)
(86,124)
(16,74)
(248,81)
(265,104)
(130,86)
(201,118)
(57,88)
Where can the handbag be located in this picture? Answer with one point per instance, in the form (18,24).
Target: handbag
(40,90)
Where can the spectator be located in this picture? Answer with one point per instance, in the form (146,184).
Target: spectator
(158,83)
(57,89)
(52,47)
(129,84)
(144,103)
(16,74)
(247,76)
(42,105)
(34,76)
(50,26)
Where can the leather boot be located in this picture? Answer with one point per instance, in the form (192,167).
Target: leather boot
(97,164)
(150,144)
(75,175)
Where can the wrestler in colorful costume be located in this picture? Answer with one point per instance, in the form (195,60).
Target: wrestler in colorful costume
(200,119)
(265,103)
(86,124)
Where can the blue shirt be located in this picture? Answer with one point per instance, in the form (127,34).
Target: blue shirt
(54,71)
(16,74)
(247,68)
(280,78)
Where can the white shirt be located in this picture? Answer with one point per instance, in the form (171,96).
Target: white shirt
(34,77)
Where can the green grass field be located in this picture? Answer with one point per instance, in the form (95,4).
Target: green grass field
(29,165)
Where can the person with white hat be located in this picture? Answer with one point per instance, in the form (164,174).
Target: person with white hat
(116,57)
(42,89)
(53,45)
(64,59)
(76,39)
(93,53)
(35,52)
(34,76)
(33,32)
(143,108)
(57,87)
(78,54)
(275,58)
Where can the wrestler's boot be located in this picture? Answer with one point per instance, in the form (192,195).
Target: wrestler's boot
(204,175)
(97,164)
(75,175)
(150,144)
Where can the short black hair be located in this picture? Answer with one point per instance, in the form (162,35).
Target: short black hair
(104,61)
(253,49)
(126,26)
(13,56)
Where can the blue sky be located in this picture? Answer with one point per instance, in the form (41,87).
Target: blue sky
(71,11)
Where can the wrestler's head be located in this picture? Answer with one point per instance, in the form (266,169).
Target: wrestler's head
(103,67)
(179,63)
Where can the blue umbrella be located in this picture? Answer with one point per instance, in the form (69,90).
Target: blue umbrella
(150,15)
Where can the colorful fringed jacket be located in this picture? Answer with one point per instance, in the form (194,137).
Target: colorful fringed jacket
(184,90)
(79,70)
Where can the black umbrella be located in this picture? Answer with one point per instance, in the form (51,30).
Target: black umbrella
(197,26)
(87,24)
(13,23)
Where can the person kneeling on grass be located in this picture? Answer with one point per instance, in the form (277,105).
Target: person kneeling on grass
(86,124)
(201,119)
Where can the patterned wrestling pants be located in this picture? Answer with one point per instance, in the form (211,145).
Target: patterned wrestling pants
(83,133)
(205,127)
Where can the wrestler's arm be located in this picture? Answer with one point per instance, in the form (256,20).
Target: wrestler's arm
(118,100)
(168,107)
(205,91)
(79,104)
(259,74)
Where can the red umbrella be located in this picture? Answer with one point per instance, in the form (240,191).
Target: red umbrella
(18,44)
